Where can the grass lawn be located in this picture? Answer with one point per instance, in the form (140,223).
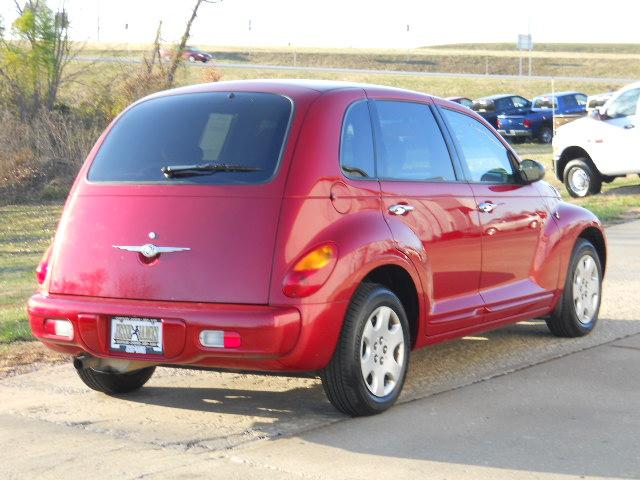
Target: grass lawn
(595,60)
(25,232)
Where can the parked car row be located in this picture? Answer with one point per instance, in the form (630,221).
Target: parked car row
(517,118)
(588,151)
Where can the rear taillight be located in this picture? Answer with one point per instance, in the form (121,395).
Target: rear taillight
(527,123)
(311,271)
(54,327)
(219,339)
(499,123)
(43,267)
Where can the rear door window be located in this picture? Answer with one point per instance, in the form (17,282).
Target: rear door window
(245,129)
(356,143)
(411,146)
(519,102)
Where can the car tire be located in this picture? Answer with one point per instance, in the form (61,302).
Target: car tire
(115,383)
(580,179)
(375,330)
(545,135)
(576,313)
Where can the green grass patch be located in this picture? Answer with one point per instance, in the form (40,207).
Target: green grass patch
(25,233)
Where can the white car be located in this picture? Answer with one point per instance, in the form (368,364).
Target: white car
(601,146)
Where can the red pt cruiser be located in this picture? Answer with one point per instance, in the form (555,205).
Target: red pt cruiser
(292,226)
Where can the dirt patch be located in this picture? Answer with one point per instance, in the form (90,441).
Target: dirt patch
(23,357)
(628,216)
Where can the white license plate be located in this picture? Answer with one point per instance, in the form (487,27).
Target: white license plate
(513,132)
(136,335)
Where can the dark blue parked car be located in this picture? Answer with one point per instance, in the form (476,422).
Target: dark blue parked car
(490,107)
(537,123)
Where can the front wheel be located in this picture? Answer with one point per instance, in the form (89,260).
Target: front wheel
(577,310)
(369,365)
(115,383)
(581,179)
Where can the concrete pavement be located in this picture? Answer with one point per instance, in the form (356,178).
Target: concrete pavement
(513,403)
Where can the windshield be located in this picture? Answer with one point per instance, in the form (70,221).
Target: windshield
(245,129)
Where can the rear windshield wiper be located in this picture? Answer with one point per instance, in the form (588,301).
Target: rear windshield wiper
(171,171)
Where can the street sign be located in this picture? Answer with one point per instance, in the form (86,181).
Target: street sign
(525,42)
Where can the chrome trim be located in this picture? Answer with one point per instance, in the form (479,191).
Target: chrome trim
(150,250)
(400,209)
(487,207)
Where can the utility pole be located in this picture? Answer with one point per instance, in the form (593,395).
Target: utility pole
(98,29)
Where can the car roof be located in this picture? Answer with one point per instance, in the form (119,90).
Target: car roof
(283,85)
(499,96)
(559,94)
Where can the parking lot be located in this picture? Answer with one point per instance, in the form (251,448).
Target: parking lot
(517,402)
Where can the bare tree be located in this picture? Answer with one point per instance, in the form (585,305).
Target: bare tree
(155,54)
(171,73)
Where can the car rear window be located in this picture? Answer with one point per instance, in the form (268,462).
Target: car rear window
(246,129)
(483,105)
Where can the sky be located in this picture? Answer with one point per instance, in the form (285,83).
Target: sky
(348,23)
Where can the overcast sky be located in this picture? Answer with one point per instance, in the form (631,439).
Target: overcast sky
(345,23)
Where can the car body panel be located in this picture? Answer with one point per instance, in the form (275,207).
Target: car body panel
(308,203)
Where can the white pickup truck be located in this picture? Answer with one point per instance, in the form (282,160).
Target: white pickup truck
(601,146)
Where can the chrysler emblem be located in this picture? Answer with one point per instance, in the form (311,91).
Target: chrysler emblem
(150,250)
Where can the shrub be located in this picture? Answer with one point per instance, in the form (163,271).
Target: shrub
(39,158)
(211,74)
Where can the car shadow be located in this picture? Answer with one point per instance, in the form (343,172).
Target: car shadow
(435,420)
(623,190)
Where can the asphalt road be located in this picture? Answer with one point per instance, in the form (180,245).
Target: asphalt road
(513,403)
(292,68)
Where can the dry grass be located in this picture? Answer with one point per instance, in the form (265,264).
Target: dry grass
(569,60)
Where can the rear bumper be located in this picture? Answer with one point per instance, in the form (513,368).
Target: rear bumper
(515,133)
(272,338)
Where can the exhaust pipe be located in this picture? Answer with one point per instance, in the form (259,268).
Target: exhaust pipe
(108,365)
(80,361)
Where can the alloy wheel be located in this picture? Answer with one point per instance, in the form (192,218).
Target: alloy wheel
(586,289)
(382,351)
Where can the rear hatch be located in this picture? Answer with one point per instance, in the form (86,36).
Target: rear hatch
(207,225)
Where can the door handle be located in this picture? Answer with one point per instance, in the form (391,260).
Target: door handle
(629,126)
(487,207)
(400,209)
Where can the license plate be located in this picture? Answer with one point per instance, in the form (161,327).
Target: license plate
(136,335)
(513,132)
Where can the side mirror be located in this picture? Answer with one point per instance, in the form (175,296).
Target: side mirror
(531,171)
(596,114)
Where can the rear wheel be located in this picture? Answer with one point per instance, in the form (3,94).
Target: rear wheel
(545,135)
(115,383)
(581,179)
(577,311)
(368,368)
